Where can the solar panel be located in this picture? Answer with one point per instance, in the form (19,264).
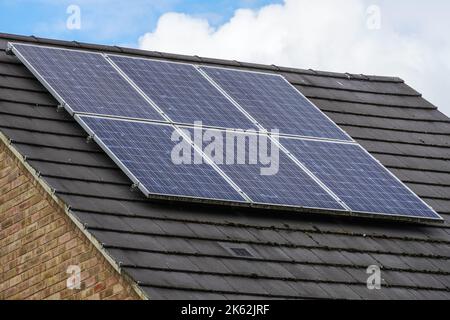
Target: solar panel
(182,93)
(358,179)
(86,82)
(307,173)
(283,183)
(275,104)
(144,151)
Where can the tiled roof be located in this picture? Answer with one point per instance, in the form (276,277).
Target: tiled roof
(182,251)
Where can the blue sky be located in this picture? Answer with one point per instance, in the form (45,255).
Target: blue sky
(109,21)
(405,38)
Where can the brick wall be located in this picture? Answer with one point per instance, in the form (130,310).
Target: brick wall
(38,242)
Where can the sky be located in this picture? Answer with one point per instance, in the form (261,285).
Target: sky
(401,38)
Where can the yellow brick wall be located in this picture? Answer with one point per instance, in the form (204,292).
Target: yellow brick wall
(38,242)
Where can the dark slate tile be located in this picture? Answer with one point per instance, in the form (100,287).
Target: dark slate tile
(273,269)
(208,264)
(245,285)
(21,96)
(331,256)
(434,295)
(359,259)
(104,175)
(366,294)
(389,261)
(8,59)
(208,248)
(144,225)
(177,262)
(423,264)
(162,278)
(337,273)
(91,220)
(310,290)
(21,83)
(239,234)
(369,98)
(304,272)
(123,256)
(176,244)
(100,190)
(240,266)
(205,230)
(157,260)
(302,255)
(50,140)
(281,288)
(273,253)
(217,283)
(339,291)
(405,294)
(15,70)
(72,157)
(394,278)
(269,236)
(298,238)
(440,264)
(430,280)
(155,294)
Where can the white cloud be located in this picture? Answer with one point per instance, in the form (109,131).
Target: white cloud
(325,35)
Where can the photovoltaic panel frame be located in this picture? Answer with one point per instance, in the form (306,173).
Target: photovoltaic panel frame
(358,179)
(275,104)
(182,93)
(144,151)
(287,184)
(85,82)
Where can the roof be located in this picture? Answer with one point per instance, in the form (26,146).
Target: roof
(183,251)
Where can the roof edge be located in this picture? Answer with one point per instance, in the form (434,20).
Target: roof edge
(196,59)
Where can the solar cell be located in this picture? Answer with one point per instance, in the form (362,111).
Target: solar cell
(264,173)
(275,104)
(358,179)
(182,93)
(86,82)
(145,151)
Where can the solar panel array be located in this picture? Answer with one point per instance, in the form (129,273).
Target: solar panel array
(145,149)
(140,110)
(182,93)
(356,177)
(290,186)
(275,104)
(86,82)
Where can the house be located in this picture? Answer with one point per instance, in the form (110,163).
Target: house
(68,213)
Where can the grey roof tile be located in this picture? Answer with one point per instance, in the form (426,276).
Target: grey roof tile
(337,291)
